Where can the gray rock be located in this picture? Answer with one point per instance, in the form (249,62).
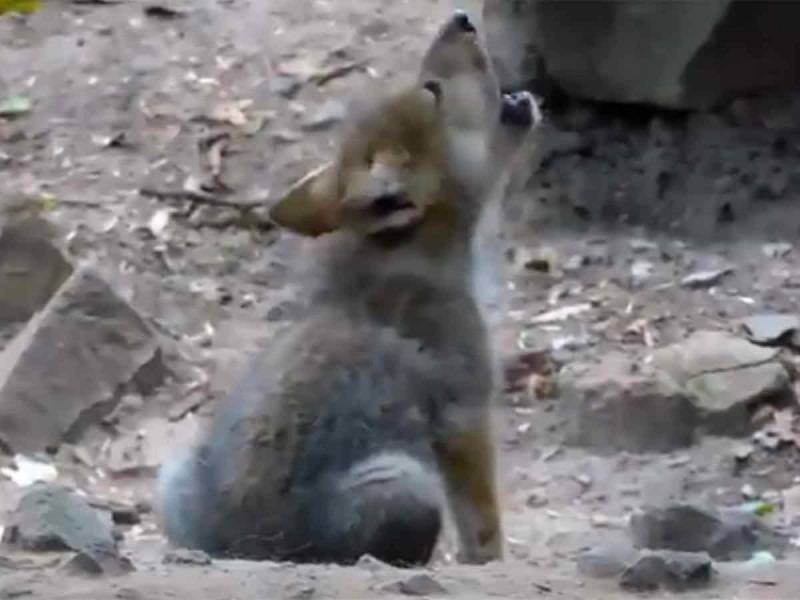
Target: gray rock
(663,53)
(53,518)
(725,376)
(676,571)
(329,114)
(773,329)
(606,560)
(183,556)
(416,585)
(66,368)
(728,534)
(610,408)
(99,563)
(32,268)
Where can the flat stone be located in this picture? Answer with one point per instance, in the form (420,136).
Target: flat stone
(327,115)
(420,584)
(725,376)
(32,268)
(183,556)
(676,571)
(99,563)
(606,560)
(772,329)
(53,518)
(727,534)
(610,409)
(705,351)
(667,54)
(67,366)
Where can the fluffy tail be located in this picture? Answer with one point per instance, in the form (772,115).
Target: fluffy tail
(388,506)
(183,502)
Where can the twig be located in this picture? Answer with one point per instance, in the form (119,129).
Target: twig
(199,197)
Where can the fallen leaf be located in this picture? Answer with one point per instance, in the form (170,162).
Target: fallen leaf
(47,201)
(214,147)
(229,112)
(700,279)
(163,12)
(28,471)
(159,221)
(301,68)
(560,314)
(19,6)
(14,106)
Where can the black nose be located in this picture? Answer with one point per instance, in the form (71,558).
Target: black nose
(462,20)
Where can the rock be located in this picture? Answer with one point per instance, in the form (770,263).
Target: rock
(612,409)
(537,498)
(416,585)
(99,563)
(606,560)
(299,591)
(15,590)
(53,518)
(773,329)
(28,471)
(727,534)
(725,376)
(329,114)
(121,513)
(183,556)
(370,563)
(776,250)
(66,368)
(641,271)
(791,505)
(663,53)
(676,571)
(31,268)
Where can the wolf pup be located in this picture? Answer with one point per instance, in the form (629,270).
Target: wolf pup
(356,430)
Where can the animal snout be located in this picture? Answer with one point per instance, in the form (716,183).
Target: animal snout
(461,19)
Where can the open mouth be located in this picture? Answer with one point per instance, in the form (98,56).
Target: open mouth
(400,219)
(385,205)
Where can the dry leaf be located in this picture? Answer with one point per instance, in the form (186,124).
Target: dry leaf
(159,221)
(560,314)
(28,471)
(229,112)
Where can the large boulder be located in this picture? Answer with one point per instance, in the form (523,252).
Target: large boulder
(726,376)
(612,407)
(52,518)
(32,268)
(69,364)
(726,534)
(670,54)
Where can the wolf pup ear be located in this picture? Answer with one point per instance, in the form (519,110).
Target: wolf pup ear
(310,207)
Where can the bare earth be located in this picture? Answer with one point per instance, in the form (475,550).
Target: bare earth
(132,109)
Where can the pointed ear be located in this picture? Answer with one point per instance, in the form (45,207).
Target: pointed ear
(310,207)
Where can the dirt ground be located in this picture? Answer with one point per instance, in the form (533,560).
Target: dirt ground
(155,138)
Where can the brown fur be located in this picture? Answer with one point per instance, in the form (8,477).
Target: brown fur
(348,434)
